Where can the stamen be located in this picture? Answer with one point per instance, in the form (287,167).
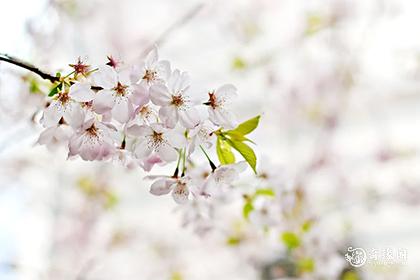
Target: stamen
(92,130)
(212,100)
(149,75)
(156,140)
(120,89)
(178,100)
(64,97)
(80,67)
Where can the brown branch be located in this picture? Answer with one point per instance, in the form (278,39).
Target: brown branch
(27,66)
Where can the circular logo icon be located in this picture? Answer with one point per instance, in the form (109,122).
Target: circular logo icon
(356,256)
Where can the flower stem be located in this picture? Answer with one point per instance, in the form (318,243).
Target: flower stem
(177,164)
(212,165)
(184,167)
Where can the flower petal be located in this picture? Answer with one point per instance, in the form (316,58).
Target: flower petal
(167,153)
(140,130)
(103,102)
(122,110)
(189,118)
(169,116)
(180,194)
(105,77)
(152,57)
(159,94)
(52,114)
(140,95)
(164,70)
(176,139)
(142,150)
(226,92)
(161,187)
(222,117)
(81,92)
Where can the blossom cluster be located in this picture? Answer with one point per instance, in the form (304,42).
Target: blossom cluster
(145,114)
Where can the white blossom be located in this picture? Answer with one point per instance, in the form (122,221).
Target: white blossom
(176,104)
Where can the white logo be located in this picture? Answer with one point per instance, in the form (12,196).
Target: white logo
(356,257)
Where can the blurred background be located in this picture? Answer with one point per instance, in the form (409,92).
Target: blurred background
(337,84)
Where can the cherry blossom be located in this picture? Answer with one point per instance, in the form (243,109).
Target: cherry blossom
(61,107)
(202,134)
(117,94)
(93,141)
(53,135)
(156,138)
(175,103)
(178,187)
(152,70)
(218,100)
(222,177)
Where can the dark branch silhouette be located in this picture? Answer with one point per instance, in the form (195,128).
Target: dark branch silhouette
(27,66)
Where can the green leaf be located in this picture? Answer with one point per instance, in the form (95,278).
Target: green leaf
(246,151)
(224,152)
(248,208)
(290,239)
(264,192)
(55,89)
(247,126)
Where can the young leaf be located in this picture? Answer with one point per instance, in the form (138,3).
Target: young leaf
(224,152)
(55,89)
(247,126)
(246,151)
(235,135)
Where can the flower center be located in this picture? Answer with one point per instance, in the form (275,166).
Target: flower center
(121,89)
(181,188)
(80,67)
(212,100)
(63,97)
(157,138)
(112,62)
(149,75)
(92,130)
(145,112)
(178,100)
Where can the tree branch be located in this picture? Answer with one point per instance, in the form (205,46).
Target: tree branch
(27,66)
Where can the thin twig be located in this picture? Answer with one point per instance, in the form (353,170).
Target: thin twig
(177,24)
(27,66)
